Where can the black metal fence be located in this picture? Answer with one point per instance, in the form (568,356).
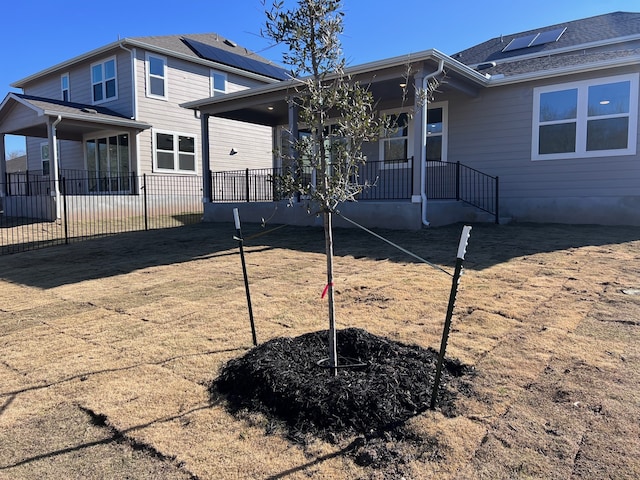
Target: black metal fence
(388,180)
(33,216)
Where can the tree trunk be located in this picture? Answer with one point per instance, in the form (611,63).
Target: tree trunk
(328,238)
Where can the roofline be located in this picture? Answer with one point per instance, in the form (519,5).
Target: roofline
(138,44)
(496,81)
(364,68)
(124,122)
(582,46)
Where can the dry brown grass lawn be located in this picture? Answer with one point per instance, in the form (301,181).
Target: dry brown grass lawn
(107,348)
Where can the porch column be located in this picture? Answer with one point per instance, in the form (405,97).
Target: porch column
(54,167)
(292,152)
(3,168)
(419,137)
(206,160)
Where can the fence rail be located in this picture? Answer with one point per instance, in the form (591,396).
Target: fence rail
(90,206)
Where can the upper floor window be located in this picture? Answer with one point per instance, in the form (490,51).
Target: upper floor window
(591,118)
(156,76)
(174,152)
(218,83)
(103,81)
(64,87)
(44,158)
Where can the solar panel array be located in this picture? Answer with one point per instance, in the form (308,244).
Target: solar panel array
(225,57)
(535,39)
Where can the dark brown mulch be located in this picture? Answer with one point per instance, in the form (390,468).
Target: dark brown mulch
(281,378)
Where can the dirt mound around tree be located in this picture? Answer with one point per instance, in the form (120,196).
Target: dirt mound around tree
(390,383)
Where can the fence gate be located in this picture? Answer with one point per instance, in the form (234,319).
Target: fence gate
(90,206)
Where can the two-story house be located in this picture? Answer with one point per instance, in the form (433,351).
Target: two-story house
(537,126)
(115,112)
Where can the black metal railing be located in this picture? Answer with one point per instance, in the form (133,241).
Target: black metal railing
(383,180)
(448,180)
(90,206)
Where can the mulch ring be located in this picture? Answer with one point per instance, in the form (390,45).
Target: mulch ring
(281,379)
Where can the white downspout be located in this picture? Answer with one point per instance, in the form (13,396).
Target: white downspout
(423,144)
(55,164)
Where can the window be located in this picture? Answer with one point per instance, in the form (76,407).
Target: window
(394,140)
(103,81)
(108,163)
(174,152)
(437,132)
(593,118)
(44,158)
(64,86)
(156,76)
(218,83)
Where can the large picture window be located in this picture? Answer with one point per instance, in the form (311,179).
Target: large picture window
(108,164)
(103,81)
(174,152)
(156,76)
(593,118)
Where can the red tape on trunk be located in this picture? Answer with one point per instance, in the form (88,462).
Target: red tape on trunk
(326,289)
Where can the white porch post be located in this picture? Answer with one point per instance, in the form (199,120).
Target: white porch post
(206,158)
(3,168)
(419,138)
(293,135)
(54,167)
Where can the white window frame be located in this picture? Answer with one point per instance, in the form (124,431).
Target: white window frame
(213,90)
(63,89)
(104,80)
(582,118)
(45,156)
(176,152)
(381,143)
(445,132)
(149,76)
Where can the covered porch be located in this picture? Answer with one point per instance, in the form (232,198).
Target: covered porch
(401,190)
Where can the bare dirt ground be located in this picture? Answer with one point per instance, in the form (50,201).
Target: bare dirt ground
(108,348)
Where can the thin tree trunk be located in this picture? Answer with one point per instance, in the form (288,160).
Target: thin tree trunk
(328,238)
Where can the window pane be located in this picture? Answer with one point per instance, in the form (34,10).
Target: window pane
(395,150)
(45,168)
(560,105)
(219,82)
(186,144)
(165,160)
(91,155)
(609,99)
(44,152)
(434,148)
(65,95)
(607,134)
(97,92)
(560,138)
(110,69)
(396,126)
(157,86)
(96,73)
(111,88)
(434,120)
(123,154)
(156,66)
(187,162)
(164,141)
(103,166)
(65,82)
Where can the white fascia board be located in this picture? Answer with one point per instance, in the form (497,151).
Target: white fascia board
(563,71)
(107,121)
(26,103)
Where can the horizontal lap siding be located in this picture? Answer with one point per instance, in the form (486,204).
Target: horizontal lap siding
(493,133)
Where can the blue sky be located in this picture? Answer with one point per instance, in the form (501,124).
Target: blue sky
(37,34)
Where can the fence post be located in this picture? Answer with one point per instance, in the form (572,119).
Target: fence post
(209,185)
(63,180)
(146,213)
(497,200)
(246,185)
(458,181)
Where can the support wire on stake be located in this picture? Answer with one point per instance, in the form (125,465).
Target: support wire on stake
(240,240)
(462,249)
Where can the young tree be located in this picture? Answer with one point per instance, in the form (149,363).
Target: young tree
(336,112)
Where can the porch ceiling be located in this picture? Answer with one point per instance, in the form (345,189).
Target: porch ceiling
(30,116)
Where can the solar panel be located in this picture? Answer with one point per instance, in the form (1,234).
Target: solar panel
(520,42)
(215,54)
(548,36)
